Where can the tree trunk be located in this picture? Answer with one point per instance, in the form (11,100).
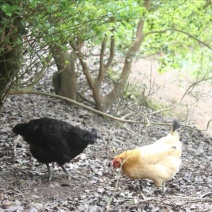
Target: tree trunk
(64,81)
(102,103)
(119,87)
(10,52)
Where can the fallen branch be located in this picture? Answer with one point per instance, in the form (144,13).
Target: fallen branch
(204,195)
(13,92)
(145,116)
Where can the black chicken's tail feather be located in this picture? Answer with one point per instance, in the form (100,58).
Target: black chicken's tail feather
(20,129)
(175,126)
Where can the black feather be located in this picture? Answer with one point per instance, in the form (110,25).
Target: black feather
(176,125)
(53,140)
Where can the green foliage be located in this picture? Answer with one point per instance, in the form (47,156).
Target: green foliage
(50,22)
(61,21)
(184,18)
(9,10)
(68,20)
(197,63)
(113,74)
(11,28)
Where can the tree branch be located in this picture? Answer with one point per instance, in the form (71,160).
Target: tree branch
(85,68)
(103,68)
(181,31)
(181,99)
(112,52)
(119,86)
(208,124)
(101,61)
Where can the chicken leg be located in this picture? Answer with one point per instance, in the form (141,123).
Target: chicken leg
(164,187)
(49,172)
(67,173)
(155,188)
(50,175)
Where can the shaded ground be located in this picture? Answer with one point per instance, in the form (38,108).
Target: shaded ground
(93,185)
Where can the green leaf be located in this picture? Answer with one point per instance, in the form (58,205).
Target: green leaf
(7,9)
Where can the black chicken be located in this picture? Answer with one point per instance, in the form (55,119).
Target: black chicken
(53,140)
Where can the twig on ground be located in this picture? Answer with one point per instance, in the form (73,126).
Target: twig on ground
(173,200)
(132,132)
(116,187)
(74,102)
(204,195)
(112,197)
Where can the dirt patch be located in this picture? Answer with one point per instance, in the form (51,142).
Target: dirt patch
(195,107)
